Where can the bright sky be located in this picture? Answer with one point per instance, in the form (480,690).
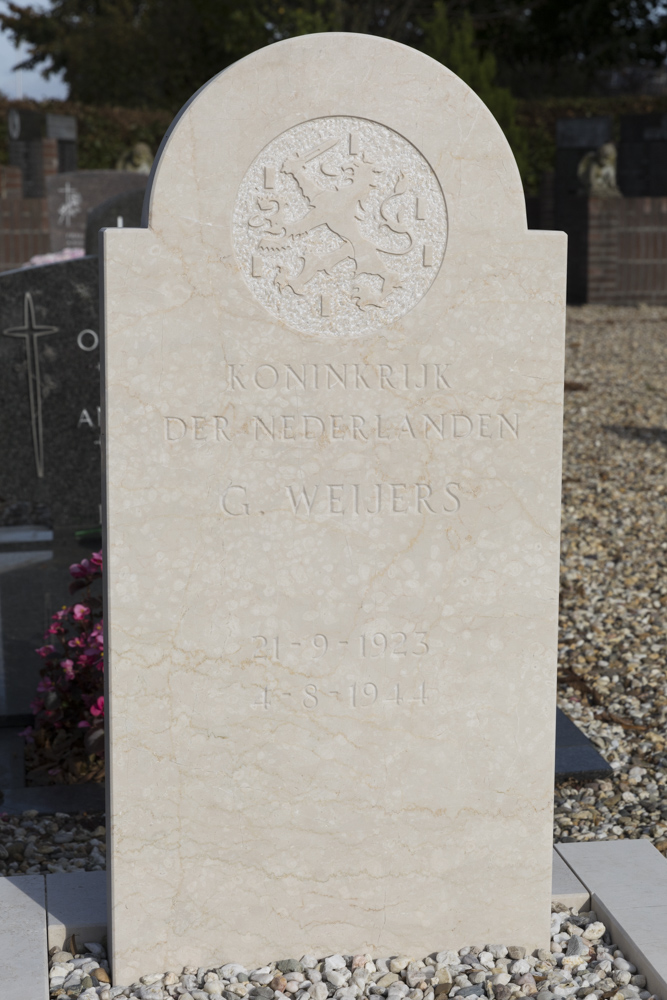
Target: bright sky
(31,82)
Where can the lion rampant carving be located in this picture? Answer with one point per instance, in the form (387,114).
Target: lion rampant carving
(341,208)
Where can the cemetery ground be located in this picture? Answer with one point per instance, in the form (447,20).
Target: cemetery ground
(613,626)
(612,683)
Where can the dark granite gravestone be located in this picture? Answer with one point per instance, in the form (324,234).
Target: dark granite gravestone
(642,156)
(574,138)
(50,479)
(121,210)
(583,133)
(576,757)
(27,131)
(71,196)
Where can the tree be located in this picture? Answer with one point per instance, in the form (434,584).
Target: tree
(156,53)
(453,44)
(550,48)
(150,53)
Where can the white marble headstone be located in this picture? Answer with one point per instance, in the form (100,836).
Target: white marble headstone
(333,409)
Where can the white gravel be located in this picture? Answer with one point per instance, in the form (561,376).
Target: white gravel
(582,962)
(613,627)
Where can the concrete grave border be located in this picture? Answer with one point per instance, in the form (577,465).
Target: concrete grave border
(627,880)
(38,912)
(624,881)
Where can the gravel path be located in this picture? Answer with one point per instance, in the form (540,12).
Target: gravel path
(613,627)
(581,962)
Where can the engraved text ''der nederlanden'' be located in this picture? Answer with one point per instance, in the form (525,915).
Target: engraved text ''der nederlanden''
(308,425)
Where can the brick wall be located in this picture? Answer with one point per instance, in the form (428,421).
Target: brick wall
(24,222)
(627,250)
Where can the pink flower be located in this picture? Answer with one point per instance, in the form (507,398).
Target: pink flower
(68,667)
(79,570)
(80,611)
(83,725)
(96,560)
(45,651)
(98,707)
(45,684)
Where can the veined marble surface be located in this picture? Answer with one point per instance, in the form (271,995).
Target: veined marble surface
(332,555)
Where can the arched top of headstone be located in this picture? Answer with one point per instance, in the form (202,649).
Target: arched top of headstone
(249,108)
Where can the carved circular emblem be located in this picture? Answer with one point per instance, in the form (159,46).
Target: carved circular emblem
(340,226)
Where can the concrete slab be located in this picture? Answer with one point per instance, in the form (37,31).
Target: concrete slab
(566,887)
(24,971)
(54,798)
(627,880)
(76,904)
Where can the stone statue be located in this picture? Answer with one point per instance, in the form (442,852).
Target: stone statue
(137,160)
(597,173)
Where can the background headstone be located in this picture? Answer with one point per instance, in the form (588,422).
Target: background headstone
(574,138)
(41,145)
(333,378)
(120,210)
(71,196)
(49,439)
(642,156)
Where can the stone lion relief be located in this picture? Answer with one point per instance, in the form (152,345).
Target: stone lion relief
(340,226)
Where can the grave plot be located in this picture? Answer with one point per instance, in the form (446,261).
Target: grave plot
(612,671)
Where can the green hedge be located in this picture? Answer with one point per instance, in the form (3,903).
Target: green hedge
(104,133)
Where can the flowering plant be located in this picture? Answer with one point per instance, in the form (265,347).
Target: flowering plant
(66,741)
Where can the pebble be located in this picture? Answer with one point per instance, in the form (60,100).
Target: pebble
(387,980)
(494,972)
(576,946)
(32,843)
(613,618)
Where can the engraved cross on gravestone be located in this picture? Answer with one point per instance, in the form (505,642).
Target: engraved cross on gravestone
(30,333)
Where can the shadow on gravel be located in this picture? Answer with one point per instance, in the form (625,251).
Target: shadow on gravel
(649,434)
